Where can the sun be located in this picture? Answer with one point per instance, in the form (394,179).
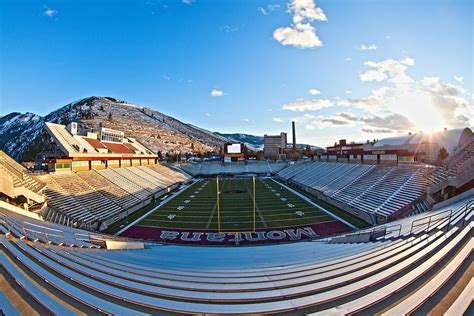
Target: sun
(421,111)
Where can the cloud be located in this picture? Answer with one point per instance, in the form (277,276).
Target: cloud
(387,37)
(459,79)
(373,75)
(314,92)
(392,69)
(377,130)
(228,28)
(246,120)
(49,12)
(348,92)
(188,2)
(301,33)
(208,114)
(397,123)
(278,120)
(364,103)
(166,77)
(393,123)
(301,105)
(334,120)
(300,36)
(216,93)
(398,104)
(348,59)
(367,47)
(268,8)
(319,122)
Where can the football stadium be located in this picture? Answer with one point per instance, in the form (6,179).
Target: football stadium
(110,229)
(352,203)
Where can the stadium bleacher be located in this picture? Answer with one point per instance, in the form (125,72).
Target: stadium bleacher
(390,274)
(451,166)
(90,198)
(372,189)
(22,181)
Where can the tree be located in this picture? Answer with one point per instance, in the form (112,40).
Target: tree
(442,154)
(308,151)
(260,155)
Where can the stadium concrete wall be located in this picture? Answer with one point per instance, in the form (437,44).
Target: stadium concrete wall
(124,245)
(20,211)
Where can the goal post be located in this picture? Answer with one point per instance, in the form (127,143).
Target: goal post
(254,210)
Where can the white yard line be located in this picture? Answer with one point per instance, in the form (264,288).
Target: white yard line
(154,209)
(307,199)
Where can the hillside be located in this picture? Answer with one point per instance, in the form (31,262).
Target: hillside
(22,135)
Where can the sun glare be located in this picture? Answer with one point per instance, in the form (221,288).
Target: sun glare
(420,110)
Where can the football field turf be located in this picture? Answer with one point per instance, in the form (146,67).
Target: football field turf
(196,207)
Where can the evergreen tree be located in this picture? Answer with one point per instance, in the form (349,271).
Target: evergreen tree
(442,154)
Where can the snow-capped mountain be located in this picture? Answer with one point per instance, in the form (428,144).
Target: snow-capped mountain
(252,142)
(23,136)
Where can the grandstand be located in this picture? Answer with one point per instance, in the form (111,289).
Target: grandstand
(97,198)
(373,192)
(417,265)
(455,172)
(18,187)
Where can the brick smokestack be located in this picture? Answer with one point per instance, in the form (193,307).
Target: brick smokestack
(294,134)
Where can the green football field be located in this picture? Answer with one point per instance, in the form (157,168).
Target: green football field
(197,207)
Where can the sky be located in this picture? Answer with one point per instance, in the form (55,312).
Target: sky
(357,70)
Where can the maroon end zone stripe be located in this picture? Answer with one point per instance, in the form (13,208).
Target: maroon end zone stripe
(213,238)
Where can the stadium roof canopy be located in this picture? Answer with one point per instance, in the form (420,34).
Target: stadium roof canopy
(449,139)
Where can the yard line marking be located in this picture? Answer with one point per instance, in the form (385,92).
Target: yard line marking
(155,208)
(314,204)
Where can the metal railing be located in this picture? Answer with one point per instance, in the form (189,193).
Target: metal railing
(49,235)
(379,232)
(441,217)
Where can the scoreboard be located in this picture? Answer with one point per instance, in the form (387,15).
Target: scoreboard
(234,152)
(233,148)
